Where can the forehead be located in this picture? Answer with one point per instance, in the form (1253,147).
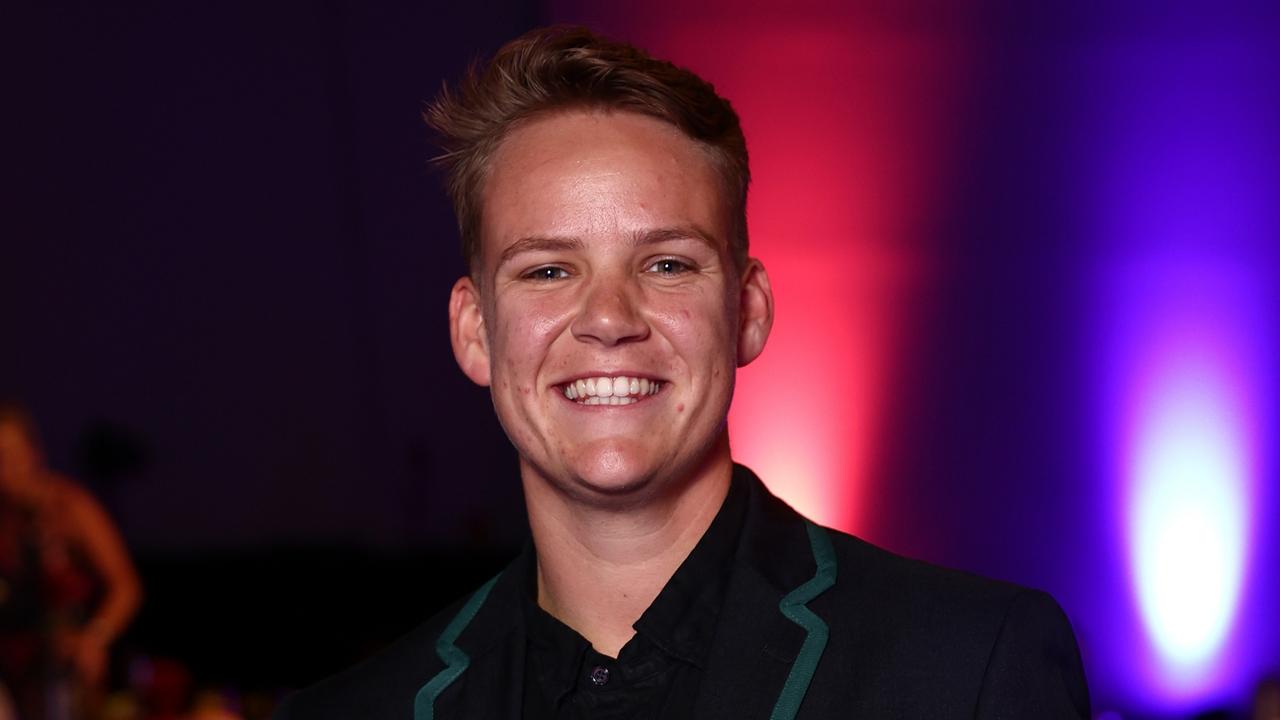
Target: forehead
(584,172)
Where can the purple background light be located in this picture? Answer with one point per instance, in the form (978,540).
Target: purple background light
(1180,170)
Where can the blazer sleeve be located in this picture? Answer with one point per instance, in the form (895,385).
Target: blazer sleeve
(1034,670)
(283,711)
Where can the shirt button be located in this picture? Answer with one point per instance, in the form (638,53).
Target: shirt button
(599,675)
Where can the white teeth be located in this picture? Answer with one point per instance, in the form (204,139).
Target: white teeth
(613,400)
(610,390)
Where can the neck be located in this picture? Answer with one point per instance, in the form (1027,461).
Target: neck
(600,568)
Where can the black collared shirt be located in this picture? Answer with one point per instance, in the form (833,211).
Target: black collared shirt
(658,672)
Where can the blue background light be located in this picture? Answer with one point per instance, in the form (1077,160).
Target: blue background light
(1189,502)
(1178,161)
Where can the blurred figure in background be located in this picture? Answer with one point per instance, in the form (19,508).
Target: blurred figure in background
(67,585)
(1266,699)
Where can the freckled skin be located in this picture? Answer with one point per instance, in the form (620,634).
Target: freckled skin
(598,180)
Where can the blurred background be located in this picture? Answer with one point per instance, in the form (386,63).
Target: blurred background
(1026,258)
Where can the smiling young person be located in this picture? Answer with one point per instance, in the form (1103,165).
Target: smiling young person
(601,200)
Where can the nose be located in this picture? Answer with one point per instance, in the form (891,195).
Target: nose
(610,314)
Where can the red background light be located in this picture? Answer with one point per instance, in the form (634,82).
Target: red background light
(846,110)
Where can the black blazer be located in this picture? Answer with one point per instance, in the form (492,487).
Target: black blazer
(904,639)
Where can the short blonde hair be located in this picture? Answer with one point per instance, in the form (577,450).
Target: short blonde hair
(560,68)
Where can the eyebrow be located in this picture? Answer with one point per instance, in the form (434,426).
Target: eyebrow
(682,232)
(535,244)
(642,237)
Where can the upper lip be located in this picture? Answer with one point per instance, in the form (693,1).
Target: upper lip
(609,374)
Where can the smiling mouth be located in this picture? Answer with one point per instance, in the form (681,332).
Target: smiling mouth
(621,390)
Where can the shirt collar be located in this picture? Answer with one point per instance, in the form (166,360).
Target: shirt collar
(548,637)
(681,621)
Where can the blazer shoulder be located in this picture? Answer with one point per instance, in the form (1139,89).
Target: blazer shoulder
(1035,668)
(869,568)
(1008,647)
(382,685)
(908,607)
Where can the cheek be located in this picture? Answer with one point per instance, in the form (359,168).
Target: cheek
(522,338)
(701,333)
(706,351)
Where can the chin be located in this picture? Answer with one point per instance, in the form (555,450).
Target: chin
(612,471)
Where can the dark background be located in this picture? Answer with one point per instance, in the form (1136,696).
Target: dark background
(224,300)
(223,296)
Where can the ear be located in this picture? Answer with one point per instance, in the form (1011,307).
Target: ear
(467,331)
(755,311)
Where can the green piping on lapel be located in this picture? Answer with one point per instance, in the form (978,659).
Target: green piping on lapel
(456,661)
(793,606)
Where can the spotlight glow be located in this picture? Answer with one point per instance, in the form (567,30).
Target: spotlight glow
(1188,512)
(1182,142)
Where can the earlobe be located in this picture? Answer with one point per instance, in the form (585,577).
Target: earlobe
(755,312)
(467,331)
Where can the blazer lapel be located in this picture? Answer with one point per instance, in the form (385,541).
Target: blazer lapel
(756,645)
(492,685)
(752,653)
(492,688)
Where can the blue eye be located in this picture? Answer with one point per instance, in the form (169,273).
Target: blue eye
(669,266)
(549,272)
